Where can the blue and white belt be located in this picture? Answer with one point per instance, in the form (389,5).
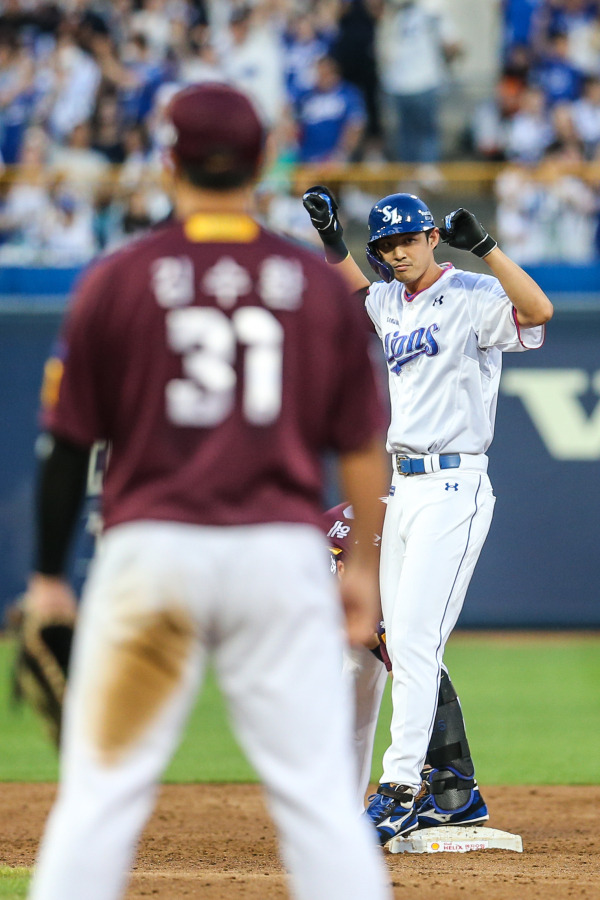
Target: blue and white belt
(424,465)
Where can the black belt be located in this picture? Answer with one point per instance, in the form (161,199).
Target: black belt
(423,465)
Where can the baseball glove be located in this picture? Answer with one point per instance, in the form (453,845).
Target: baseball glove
(42,663)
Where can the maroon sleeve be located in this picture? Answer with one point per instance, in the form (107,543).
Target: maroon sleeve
(357,413)
(72,403)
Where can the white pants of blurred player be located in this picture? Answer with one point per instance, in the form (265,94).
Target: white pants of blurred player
(259,600)
(367,677)
(435,526)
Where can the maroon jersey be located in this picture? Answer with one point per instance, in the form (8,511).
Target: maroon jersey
(220,361)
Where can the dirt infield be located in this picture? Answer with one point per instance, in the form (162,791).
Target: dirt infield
(215,842)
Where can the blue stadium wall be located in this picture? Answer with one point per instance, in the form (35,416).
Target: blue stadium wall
(540,566)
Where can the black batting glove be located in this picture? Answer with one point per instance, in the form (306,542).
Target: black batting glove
(462,230)
(322,206)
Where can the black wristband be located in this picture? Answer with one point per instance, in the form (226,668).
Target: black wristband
(485,246)
(335,249)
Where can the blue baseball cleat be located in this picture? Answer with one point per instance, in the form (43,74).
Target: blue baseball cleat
(392,811)
(473,812)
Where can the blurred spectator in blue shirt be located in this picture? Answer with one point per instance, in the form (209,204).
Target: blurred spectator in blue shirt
(555,74)
(130,71)
(304,46)
(16,97)
(521,18)
(331,117)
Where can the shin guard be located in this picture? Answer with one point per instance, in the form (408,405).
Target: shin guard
(452,778)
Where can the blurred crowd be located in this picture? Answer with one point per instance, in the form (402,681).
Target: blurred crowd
(84,87)
(85,84)
(548,91)
(545,120)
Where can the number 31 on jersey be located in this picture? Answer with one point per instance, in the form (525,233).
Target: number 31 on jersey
(208,341)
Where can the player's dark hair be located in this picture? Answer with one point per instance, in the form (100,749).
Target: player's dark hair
(221,171)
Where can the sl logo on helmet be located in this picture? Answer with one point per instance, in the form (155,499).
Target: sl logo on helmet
(390,214)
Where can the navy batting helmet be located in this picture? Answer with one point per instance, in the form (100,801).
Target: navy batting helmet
(395,214)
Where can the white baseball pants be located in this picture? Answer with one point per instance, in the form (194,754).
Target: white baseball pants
(260,600)
(368,677)
(435,526)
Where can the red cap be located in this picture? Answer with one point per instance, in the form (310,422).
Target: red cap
(337,524)
(216,126)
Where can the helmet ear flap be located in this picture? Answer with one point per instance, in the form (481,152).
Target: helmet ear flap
(383,269)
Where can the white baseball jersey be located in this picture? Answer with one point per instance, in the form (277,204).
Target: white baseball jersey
(443,347)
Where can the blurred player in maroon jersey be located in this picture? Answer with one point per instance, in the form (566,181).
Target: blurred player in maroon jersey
(219,361)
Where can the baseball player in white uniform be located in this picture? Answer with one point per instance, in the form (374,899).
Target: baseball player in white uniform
(443,332)
(366,667)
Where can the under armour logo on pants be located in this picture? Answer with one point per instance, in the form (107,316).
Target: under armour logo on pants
(453,487)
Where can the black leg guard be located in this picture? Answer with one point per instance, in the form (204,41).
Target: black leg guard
(452,778)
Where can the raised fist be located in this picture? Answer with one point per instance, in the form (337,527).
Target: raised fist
(462,230)
(321,206)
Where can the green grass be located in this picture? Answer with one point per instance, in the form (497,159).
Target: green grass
(208,751)
(532,706)
(13,883)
